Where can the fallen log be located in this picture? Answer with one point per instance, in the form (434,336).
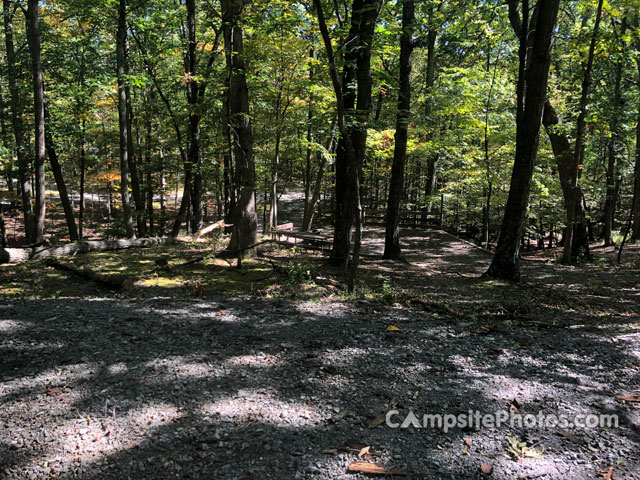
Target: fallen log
(13,255)
(113,281)
(211,228)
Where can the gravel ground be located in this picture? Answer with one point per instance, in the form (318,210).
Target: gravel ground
(278,388)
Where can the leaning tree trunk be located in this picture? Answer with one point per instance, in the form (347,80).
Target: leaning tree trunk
(123,117)
(245,220)
(534,73)
(568,254)
(396,186)
(17,123)
(562,153)
(67,207)
(33,38)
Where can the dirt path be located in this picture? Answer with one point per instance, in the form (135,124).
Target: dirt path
(258,388)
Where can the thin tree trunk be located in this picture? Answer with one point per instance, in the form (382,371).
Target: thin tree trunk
(148,167)
(396,188)
(60,183)
(123,117)
(17,124)
(635,233)
(273,210)
(309,151)
(534,72)
(613,148)
(33,38)
(568,254)
(317,186)
(82,179)
(193,152)
(136,191)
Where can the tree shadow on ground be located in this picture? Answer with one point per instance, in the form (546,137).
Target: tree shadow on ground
(252,388)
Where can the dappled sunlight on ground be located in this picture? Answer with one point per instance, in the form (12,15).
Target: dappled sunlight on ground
(198,383)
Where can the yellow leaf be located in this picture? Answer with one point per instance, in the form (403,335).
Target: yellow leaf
(393,328)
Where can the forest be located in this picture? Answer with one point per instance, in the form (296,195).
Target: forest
(406,206)
(148,121)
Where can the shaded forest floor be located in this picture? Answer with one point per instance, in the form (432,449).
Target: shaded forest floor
(272,371)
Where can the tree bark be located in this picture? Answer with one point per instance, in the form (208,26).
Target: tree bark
(33,38)
(569,254)
(355,94)
(273,197)
(136,193)
(396,187)
(317,186)
(117,281)
(363,16)
(123,117)
(534,73)
(614,148)
(635,232)
(60,183)
(193,86)
(12,255)
(83,167)
(17,124)
(562,153)
(245,220)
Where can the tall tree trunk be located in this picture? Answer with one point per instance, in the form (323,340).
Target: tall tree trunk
(136,191)
(562,153)
(83,168)
(396,187)
(364,14)
(123,116)
(432,162)
(534,73)
(309,151)
(635,233)
(17,124)
(355,93)
(193,86)
(568,254)
(33,38)
(614,147)
(245,220)
(148,168)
